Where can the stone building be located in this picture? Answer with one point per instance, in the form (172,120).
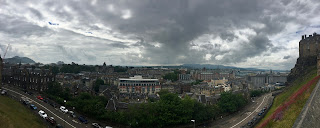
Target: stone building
(27,78)
(138,85)
(309,46)
(262,80)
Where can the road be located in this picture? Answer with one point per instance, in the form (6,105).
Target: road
(243,117)
(61,118)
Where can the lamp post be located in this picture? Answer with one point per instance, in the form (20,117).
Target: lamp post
(65,101)
(194,123)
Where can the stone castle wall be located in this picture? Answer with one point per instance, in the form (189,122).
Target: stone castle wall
(309,46)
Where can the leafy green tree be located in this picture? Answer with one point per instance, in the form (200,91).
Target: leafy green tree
(231,102)
(97,84)
(255,93)
(171,76)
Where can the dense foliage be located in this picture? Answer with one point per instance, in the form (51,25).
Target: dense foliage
(171,76)
(97,85)
(196,82)
(57,93)
(255,93)
(75,68)
(230,103)
(120,69)
(169,110)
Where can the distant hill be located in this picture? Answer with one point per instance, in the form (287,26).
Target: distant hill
(17,59)
(210,66)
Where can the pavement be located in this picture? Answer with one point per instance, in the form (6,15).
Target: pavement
(244,116)
(310,114)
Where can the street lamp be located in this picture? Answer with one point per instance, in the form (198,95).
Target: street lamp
(194,123)
(65,101)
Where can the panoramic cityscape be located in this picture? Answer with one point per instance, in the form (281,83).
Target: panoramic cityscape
(159,63)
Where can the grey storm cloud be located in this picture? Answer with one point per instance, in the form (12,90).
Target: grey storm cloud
(153,31)
(286,57)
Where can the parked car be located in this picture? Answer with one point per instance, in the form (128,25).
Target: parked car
(39,97)
(43,114)
(30,93)
(46,100)
(82,119)
(72,114)
(96,125)
(26,102)
(63,109)
(108,127)
(3,92)
(59,126)
(51,121)
(53,104)
(254,118)
(33,107)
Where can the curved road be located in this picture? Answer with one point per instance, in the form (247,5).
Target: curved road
(243,117)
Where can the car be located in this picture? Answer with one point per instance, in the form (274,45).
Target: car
(39,97)
(96,125)
(63,109)
(51,121)
(3,92)
(83,119)
(53,104)
(108,127)
(59,126)
(249,123)
(72,114)
(46,100)
(32,106)
(43,114)
(254,118)
(264,108)
(30,93)
(260,113)
(26,102)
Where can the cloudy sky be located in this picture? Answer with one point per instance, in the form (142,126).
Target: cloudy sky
(243,33)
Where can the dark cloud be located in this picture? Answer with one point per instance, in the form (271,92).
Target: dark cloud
(286,57)
(155,31)
(119,45)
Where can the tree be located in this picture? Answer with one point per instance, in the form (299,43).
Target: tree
(231,102)
(97,84)
(171,76)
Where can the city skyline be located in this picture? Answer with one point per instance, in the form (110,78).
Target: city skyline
(257,34)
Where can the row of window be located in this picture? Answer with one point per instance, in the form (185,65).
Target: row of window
(125,84)
(34,79)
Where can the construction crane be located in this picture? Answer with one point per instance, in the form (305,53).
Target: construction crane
(5,52)
(2,64)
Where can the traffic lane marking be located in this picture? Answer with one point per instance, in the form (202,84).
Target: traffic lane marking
(251,113)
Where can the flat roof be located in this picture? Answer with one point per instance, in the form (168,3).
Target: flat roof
(127,79)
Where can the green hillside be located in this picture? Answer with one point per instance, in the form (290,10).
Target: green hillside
(14,115)
(289,115)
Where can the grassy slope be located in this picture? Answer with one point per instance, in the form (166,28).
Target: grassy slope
(294,110)
(14,115)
